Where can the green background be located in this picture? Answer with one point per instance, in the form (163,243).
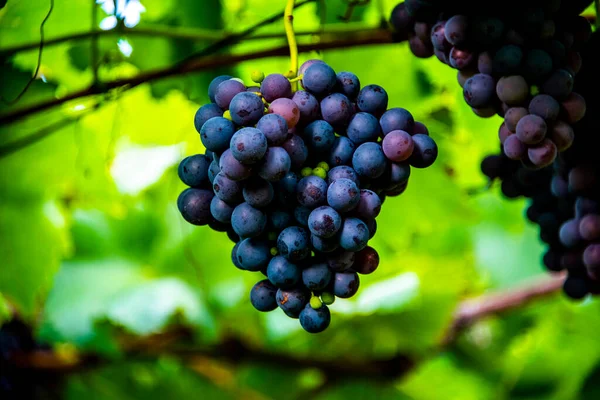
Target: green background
(95,257)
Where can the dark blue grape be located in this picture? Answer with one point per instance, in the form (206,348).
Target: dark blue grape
(279,220)
(276,165)
(213,171)
(292,243)
(301,215)
(311,191)
(275,86)
(248,145)
(354,234)
(363,127)
(402,21)
(369,160)
(341,152)
(220,210)
(336,109)
(487,30)
(194,206)
(348,84)
(246,108)
(193,170)
(231,235)
(341,260)
(537,65)
(253,254)
(369,205)
(324,221)
(544,106)
(316,277)
(372,99)
(324,245)
(232,168)
(292,301)
(308,63)
(212,87)
(319,136)
(319,79)
(456,30)
(371,226)
(479,90)
(309,106)
(226,91)
(262,296)
(345,284)
(399,174)
(227,190)
(297,150)
(424,153)
(258,193)
(275,129)
(216,134)
(205,113)
(343,195)
(438,38)
(584,206)
(342,171)
(248,221)
(218,226)
(234,258)
(315,320)
(397,119)
(507,60)
(559,84)
(289,183)
(282,273)
(576,287)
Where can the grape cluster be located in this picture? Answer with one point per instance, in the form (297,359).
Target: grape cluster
(565,197)
(518,61)
(297,179)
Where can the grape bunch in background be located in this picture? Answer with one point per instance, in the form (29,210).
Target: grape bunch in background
(518,60)
(297,178)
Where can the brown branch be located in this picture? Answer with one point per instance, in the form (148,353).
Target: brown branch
(178,342)
(372,37)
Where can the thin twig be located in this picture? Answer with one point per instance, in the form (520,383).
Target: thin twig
(363,38)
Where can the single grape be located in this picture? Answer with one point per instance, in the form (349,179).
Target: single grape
(363,127)
(319,136)
(397,119)
(485,63)
(369,205)
(354,234)
(512,117)
(574,108)
(292,243)
(324,222)
(246,108)
(424,153)
(232,168)
(297,150)
(537,65)
(456,29)
(507,60)
(324,245)
(220,210)
(366,261)
(531,129)
(342,171)
(591,256)
(479,90)
(343,195)
(420,128)
(372,99)
(397,145)
(503,132)
(315,320)
(307,64)
(589,227)
(319,79)
(253,254)
(575,287)
(559,84)
(194,205)
(401,20)
(399,174)
(438,38)
(275,86)
(193,170)
(311,191)
(308,105)
(288,109)
(278,220)
(512,90)
(369,160)
(248,221)
(282,273)
(461,58)
(213,170)
(316,276)
(347,84)
(345,284)
(225,92)
(292,301)
(543,153)
(216,134)
(341,260)
(262,296)
(258,192)
(544,106)
(336,109)
(226,189)
(514,148)
(275,129)
(301,215)
(342,151)
(419,47)
(248,145)
(212,87)
(205,113)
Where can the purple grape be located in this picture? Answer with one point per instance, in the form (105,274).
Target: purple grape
(456,29)
(461,58)
(574,108)
(419,47)
(562,135)
(324,245)
(315,320)
(275,86)
(512,117)
(354,234)
(287,109)
(507,60)
(479,90)
(276,165)
(212,87)
(342,171)
(559,84)
(345,284)
(227,190)
(485,63)
(544,106)
(514,148)
(246,109)
(569,233)
(309,106)
(275,129)
(232,168)
(420,128)
(424,153)
(537,65)
(336,109)
(366,261)
(397,145)
(258,192)
(297,150)
(194,205)
(542,154)
(292,301)
(438,39)
(531,129)
(512,90)
(220,210)
(589,227)
(301,215)
(316,277)
(397,119)
(503,132)
(248,145)
(307,64)
(368,206)
(226,91)
(279,220)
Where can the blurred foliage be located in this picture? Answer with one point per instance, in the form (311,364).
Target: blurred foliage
(92,243)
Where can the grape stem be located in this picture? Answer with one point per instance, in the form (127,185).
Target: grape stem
(288,23)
